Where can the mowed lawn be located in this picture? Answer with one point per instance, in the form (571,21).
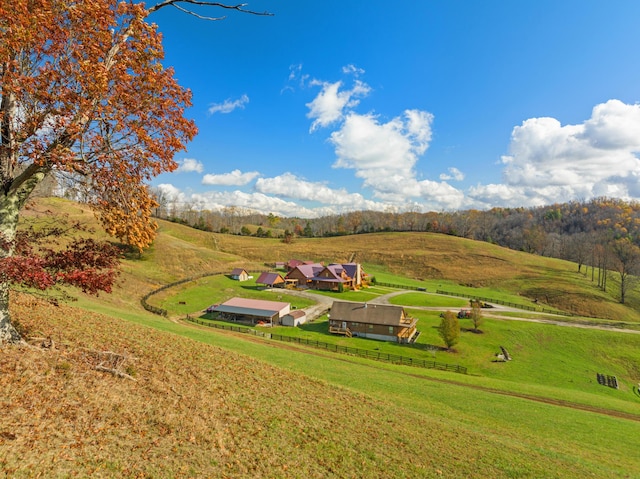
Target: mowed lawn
(194,297)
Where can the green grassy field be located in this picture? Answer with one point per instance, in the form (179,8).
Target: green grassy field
(210,403)
(508,427)
(196,296)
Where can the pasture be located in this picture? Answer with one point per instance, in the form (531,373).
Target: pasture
(210,403)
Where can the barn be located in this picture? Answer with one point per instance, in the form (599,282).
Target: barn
(271,280)
(252,311)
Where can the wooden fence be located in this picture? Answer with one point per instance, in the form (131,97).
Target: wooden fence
(230,327)
(163,312)
(363,353)
(479,298)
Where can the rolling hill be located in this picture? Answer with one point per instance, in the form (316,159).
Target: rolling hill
(109,390)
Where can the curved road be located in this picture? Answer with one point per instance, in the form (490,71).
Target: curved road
(324,303)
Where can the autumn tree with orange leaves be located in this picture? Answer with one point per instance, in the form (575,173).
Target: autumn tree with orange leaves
(83,93)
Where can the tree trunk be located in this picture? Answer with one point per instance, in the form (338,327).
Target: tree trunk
(8,224)
(8,333)
(11,202)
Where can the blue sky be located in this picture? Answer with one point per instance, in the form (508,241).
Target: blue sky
(332,106)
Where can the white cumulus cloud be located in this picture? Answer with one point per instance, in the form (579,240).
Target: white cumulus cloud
(171,192)
(453,174)
(228,105)
(234,178)
(188,165)
(383,154)
(549,162)
(290,186)
(330,104)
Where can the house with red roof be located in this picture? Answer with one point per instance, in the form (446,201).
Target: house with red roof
(335,277)
(302,275)
(271,280)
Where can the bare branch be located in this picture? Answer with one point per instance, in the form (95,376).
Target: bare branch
(201,17)
(205,3)
(115,372)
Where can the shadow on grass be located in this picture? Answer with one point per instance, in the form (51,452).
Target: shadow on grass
(427,347)
(472,330)
(252,287)
(320,327)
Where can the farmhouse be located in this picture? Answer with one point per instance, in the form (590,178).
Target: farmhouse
(374,321)
(254,311)
(302,275)
(239,274)
(335,277)
(270,280)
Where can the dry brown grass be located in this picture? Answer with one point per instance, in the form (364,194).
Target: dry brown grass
(429,256)
(194,410)
(416,255)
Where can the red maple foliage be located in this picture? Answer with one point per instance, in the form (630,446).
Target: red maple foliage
(50,256)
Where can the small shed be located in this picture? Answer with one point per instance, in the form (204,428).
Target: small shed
(239,274)
(294,318)
(271,280)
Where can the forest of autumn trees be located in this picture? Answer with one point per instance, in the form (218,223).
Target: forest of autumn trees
(602,233)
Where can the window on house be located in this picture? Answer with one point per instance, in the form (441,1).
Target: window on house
(390,329)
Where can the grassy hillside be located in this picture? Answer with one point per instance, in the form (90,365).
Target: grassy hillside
(108,390)
(224,407)
(437,257)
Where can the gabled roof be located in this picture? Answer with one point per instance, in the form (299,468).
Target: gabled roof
(270,278)
(351,269)
(238,271)
(250,307)
(308,270)
(256,303)
(292,263)
(335,271)
(383,314)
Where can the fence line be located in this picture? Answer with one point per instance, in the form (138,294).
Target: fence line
(504,303)
(164,312)
(228,327)
(480,298)
(363,353)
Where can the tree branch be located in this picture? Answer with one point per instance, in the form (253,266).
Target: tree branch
(205,3)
